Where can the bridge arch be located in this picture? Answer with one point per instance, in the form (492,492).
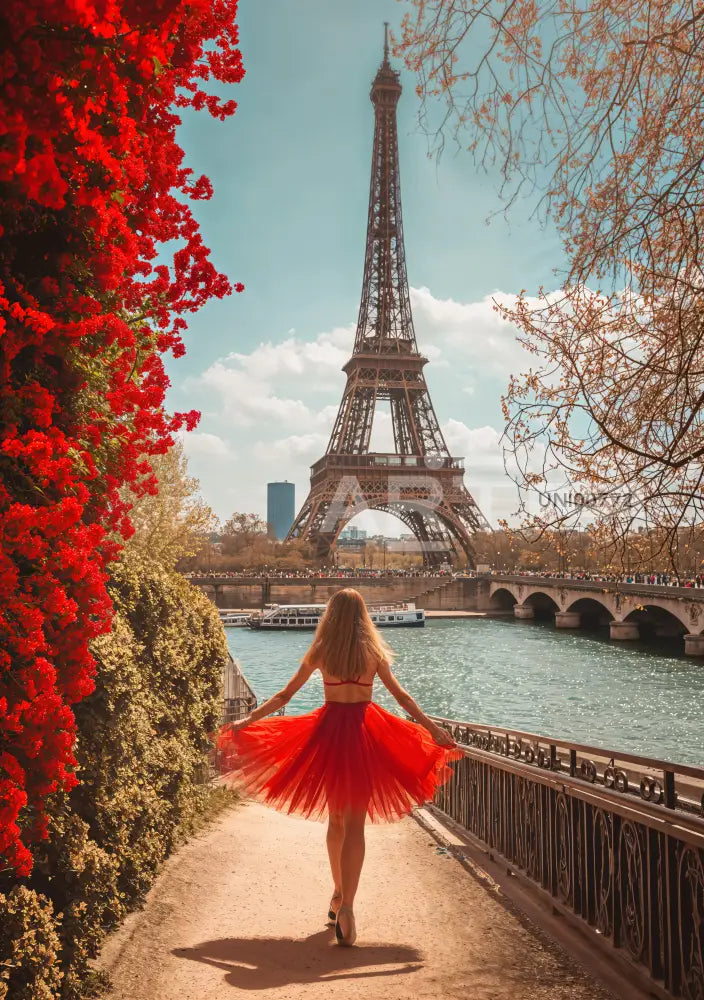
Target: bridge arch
(592,611)
(504,596)
(502,599)
(654,620)
(545,606)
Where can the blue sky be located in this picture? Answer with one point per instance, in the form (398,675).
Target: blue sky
(288,218)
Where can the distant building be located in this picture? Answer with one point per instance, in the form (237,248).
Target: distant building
(353,534)
(280,508)
(353,539)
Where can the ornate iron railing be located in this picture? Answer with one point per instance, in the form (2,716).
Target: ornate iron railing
(613,840)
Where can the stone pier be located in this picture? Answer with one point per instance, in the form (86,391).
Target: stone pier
(693,645)
(622,631)
(567,619)
(523,612)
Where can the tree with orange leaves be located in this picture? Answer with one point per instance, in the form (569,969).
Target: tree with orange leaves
(597,109)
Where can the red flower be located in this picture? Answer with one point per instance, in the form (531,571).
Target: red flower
(92,181)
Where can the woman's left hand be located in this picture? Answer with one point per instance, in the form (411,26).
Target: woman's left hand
(442,737)
(234,727)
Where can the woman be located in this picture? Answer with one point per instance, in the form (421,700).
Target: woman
(348,760)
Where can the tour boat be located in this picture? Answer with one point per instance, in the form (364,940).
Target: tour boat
(307,616)
(233,619)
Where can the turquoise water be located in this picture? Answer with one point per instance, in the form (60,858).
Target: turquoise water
(525,675)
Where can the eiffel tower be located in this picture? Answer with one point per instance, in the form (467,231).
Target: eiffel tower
(419,482)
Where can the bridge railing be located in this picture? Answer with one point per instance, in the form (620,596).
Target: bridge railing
(614,841)
(389,461)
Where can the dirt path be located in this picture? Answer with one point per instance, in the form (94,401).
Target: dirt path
(242,908)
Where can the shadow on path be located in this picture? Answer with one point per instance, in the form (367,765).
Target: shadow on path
(265,963)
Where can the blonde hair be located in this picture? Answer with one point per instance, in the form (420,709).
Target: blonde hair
(347,642)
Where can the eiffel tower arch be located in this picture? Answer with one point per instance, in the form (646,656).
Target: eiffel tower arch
(419,482)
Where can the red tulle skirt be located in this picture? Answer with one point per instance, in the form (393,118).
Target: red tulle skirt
(339,757)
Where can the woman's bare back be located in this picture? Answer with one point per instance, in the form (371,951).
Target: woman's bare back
(348,691)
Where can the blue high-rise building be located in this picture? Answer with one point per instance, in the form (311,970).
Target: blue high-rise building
(280,507)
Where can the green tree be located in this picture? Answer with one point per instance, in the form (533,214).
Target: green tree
(175,523)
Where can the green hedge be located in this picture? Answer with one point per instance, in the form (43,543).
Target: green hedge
(142,743)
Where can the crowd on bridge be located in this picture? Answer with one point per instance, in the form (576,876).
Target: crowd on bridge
(326,572)
(652,579)
(332,572)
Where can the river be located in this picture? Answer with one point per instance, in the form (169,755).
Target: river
(527,675)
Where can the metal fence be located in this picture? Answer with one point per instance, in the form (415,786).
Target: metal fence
(238,696)
(238,699)
(614,841)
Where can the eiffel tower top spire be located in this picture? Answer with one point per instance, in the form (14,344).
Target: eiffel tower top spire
(385,324)
(385,70)
(385,361)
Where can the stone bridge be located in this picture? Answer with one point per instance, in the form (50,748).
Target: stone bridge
(631,610)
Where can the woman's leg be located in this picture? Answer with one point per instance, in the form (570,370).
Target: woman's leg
(352,855)
(335,834)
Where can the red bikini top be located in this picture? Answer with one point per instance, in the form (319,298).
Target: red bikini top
(337,683)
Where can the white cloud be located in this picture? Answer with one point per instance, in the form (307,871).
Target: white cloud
(295,359)
(382,436)
(479,446)
(308,447)
(469,332)
(198,444)
(246,400)
(255,389)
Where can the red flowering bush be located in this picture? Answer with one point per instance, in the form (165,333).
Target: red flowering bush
(92,180)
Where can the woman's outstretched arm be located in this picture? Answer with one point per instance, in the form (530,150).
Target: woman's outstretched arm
(279,699)
(440,735)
